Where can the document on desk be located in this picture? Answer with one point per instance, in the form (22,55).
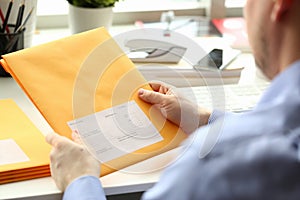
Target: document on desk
(116,131)
(24,153)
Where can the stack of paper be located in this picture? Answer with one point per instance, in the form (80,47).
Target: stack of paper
(24,153)
(83,74)
(185,75)
(199,65)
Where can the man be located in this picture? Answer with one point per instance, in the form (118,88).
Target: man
(273,30)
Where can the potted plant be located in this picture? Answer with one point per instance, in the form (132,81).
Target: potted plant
(89,14)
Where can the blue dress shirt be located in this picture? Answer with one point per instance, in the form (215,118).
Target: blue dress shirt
(278,110)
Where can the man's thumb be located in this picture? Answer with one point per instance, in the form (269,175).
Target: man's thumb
(150,96)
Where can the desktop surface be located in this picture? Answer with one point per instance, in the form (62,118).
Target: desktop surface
(134,179)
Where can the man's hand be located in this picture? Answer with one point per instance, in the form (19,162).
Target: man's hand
(176,108)
(70,160)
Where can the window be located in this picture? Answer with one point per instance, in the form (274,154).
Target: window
(234,7)
(60,7)
(235,3)
(54,13)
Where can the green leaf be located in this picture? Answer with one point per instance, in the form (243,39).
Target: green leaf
(93,3)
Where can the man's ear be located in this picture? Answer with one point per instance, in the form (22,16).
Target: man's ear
(280,8)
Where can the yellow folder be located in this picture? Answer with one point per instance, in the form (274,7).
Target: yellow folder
(30,152)
(83,74)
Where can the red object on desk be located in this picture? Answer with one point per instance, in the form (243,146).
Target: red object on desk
(234,30)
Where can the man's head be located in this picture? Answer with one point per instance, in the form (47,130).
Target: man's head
(273,31)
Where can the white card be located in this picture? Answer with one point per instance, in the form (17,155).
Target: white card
(116,131)
(11,153)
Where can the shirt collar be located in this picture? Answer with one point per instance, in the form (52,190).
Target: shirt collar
(286,82)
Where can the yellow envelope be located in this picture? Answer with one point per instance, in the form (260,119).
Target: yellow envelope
(28,153)
(83,74)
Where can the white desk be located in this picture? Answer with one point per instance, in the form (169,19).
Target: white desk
(136,178)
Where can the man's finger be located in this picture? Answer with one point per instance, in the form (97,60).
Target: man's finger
(155,85)
(76,137)
(150,96)
(53,139)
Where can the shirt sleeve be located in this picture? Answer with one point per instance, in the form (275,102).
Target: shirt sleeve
(215,115)
(84,188)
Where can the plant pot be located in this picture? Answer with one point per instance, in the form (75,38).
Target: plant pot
(83,19)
